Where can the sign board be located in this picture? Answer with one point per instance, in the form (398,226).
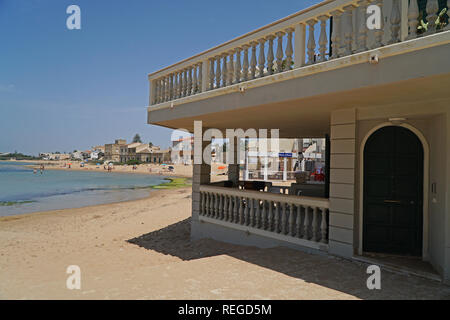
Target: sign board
(285,155)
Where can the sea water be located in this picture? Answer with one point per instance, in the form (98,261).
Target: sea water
(22,191)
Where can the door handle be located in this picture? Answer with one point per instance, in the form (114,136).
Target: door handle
(392,201)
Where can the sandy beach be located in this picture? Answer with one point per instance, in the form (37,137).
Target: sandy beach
(141,249)
(180,170)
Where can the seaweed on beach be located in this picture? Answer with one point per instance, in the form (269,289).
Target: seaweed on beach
(173,183)
(13,203)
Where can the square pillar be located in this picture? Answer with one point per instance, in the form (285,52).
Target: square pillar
(201,175)
(233,161)
(342,182)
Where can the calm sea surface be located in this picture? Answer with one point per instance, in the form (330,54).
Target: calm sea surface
(22,191)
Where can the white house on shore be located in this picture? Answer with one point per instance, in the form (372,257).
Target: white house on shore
(381,99)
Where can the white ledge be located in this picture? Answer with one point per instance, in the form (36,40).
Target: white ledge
(284,198)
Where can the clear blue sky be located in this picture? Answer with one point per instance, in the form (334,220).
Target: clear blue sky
(63,89)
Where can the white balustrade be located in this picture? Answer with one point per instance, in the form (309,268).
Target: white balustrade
(247,58)
(287,215)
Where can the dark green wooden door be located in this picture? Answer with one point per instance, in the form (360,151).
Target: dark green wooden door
(393,192)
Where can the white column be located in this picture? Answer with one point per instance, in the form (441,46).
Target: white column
(205,75)
(404,20)
(299,45)
(152,92)
(284,169)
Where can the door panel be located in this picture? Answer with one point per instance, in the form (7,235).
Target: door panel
(393,192)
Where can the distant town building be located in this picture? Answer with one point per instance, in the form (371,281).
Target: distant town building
(112,151)
(55,156)
(153,155)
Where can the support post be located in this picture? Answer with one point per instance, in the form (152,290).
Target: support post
(299,45)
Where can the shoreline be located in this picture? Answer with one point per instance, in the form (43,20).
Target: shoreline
(152,193)
(168,182)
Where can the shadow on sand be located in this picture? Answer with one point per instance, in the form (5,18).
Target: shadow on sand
(331,272)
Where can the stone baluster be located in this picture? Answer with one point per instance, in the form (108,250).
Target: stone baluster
(157,85)
(336,34)
(241,211)
(432,9)
(211,74)
(315,227)
(291,220)
(413,19)
(311,42)
(246,212)
(270,217)
(264,215)
(261,57)
(253,60)
(252,212)
(180,85)
(217,204)
(161,90)
(348,31)
(225,208)
(276,220)
(257,214)
(289,49)
(207,204)
(231,68)
(175,85)
(245,63)
(211,205)
(195,80)
(185,82)
(324,226)
(171,93)
(237,69)
(218,72)
(224,70)
(283,218)
(362,26)
(230,209)
(270,55)
(323,39)
(395,22)
(298,221)
(280,52)
(379,32)
(306,224)
(189,84)
(166,87)
(236,210)
(200,77)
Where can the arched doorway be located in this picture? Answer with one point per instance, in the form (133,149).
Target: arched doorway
(393,192)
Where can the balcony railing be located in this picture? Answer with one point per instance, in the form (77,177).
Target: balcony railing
(301,220)
(254,55)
